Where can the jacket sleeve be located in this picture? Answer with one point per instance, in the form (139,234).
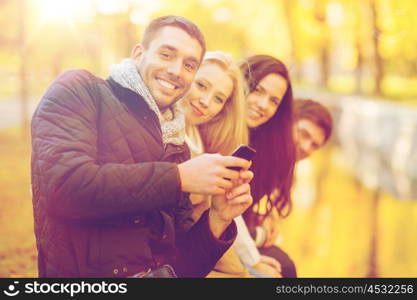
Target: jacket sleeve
(199,250)
(64,161)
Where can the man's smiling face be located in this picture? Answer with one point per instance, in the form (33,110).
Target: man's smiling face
(168,65)
(308,137)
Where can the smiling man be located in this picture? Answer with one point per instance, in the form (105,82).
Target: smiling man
(110,171)
(169,73)
(312,127)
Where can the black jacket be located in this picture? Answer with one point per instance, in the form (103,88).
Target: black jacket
(106,192)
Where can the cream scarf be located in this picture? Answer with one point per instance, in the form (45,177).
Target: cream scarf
(193,140)
(172,120)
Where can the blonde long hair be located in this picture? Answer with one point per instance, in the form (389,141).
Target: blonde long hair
(228,128)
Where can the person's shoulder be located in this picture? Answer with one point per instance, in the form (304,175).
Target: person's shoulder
(77,76)
(71,85)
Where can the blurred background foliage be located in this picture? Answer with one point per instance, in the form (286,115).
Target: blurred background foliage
(339,227)
(367,46)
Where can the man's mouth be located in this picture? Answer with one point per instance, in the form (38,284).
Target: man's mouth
(300,154)
(197,111)
(167,84)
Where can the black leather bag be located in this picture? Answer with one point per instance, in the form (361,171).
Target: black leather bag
(166,271)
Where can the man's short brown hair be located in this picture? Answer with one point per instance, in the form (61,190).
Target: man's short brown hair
(315,112)
(175,21)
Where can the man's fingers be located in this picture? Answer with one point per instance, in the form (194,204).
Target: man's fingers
(279,267)
(268,239)
(272,262)
(267,228)
(225,184)
(277,274)
(238,190)
(242,199)
(218,191)
(271,237)
(232,161)
(276,265)
(246,175)
(268,243)
(230,174)
(275,233)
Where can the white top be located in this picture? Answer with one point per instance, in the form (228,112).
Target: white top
(244,244)
(193,140)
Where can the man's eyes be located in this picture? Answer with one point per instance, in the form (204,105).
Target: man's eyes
(165,54)
(190,66)
(304,133)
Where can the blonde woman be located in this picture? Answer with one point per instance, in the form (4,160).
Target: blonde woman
(214,106)
(214,110)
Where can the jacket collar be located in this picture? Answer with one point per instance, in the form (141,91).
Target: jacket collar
(139,108)
(131,99)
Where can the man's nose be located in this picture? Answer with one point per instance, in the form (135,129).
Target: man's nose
(175,67)
(308,146)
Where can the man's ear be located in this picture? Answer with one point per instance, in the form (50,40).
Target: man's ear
(137,51)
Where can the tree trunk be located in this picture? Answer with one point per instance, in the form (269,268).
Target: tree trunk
(23,82)
(373,253)
(288,7)
(320,15)
(379,64)
(359,68)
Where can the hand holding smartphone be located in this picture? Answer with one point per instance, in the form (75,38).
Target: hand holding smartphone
(245,152)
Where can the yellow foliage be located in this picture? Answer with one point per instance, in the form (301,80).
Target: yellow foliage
(329,234)
(17,248)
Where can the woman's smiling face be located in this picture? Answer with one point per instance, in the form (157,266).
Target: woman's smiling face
(208,94)
(264,100)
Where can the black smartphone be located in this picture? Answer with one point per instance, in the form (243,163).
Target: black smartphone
(245,152)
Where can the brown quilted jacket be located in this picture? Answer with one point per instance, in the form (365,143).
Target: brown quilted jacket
(107,195)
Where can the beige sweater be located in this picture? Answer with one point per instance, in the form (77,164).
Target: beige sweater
(194,142)
(229,264)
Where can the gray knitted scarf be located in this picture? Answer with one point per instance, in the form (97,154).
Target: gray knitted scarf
(172,120)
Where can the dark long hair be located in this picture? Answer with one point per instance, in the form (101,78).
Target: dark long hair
(274,161)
